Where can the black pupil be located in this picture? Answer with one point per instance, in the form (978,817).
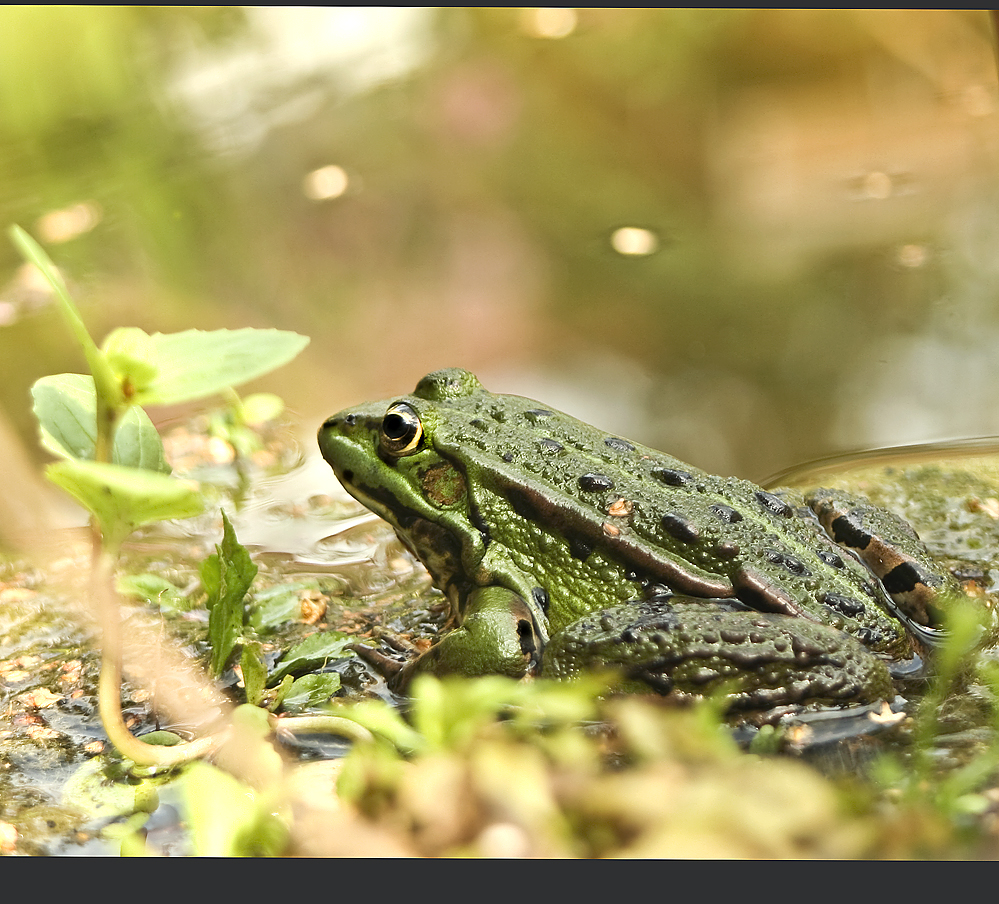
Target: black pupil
(396,426)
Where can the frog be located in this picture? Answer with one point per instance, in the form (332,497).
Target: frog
(562,548)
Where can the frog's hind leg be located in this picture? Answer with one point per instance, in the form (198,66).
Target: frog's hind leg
(891,549)
(690,646)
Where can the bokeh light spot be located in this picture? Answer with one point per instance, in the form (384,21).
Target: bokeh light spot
(549,22)
(913,255)
(877,186)
(633,241)
(325,183)
(58,226)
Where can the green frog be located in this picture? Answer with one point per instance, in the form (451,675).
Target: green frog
(561,547)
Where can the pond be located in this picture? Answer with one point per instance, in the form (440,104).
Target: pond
(749,238)
(328,569)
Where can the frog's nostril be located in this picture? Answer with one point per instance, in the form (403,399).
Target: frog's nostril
(525,631)
(348,476)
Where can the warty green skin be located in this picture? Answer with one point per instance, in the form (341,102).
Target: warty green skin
(561,547)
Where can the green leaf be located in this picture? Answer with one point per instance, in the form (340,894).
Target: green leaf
(122,499)
(194,364)
(65,406)
(277,605)
(254,673)
(226,818)
(236,572)
(261,407)
(314,652)
(137,443)
(129,352)
(155,590)
(91,791)
(280,692)
(311,691)
(211,576)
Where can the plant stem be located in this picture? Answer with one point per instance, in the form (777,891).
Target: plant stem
(109,688)
(332,725)
(107,419)
(104,379)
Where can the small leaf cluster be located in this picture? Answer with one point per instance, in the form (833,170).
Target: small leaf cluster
(112,455)
(226,577)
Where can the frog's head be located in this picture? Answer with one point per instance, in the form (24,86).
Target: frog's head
(384,455)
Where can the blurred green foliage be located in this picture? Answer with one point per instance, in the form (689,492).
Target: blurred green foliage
(486,177)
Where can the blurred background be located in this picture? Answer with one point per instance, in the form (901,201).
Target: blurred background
(749,238)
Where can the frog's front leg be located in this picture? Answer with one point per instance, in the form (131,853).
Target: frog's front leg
(674,644)
(497,636)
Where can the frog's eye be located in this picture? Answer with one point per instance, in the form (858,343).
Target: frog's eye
(401,430)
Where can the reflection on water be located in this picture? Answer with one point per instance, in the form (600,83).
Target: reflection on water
(754,236)
(983,450)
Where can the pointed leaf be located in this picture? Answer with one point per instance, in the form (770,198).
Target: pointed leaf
(310,691)
(121,498)
(65,406)
(254,673)
(236,572)
(194,364)
(314,652)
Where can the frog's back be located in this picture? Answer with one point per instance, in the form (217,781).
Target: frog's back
(669,524)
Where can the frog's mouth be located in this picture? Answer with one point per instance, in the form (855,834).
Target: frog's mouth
(440,540)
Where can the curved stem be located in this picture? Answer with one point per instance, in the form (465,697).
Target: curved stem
(332,725)
(109,686)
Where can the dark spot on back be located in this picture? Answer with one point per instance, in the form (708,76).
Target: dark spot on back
(680,528)
(727,514)
(831,559)
(579,547)
(594,482)
(868,636)
(618,444)
(903,578)
(844,604)
(671,477)
(550,445)
(785,561)
(774,504)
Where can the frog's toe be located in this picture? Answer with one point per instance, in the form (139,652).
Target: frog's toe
(385,665)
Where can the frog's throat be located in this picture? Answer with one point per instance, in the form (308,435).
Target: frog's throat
(452,546)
